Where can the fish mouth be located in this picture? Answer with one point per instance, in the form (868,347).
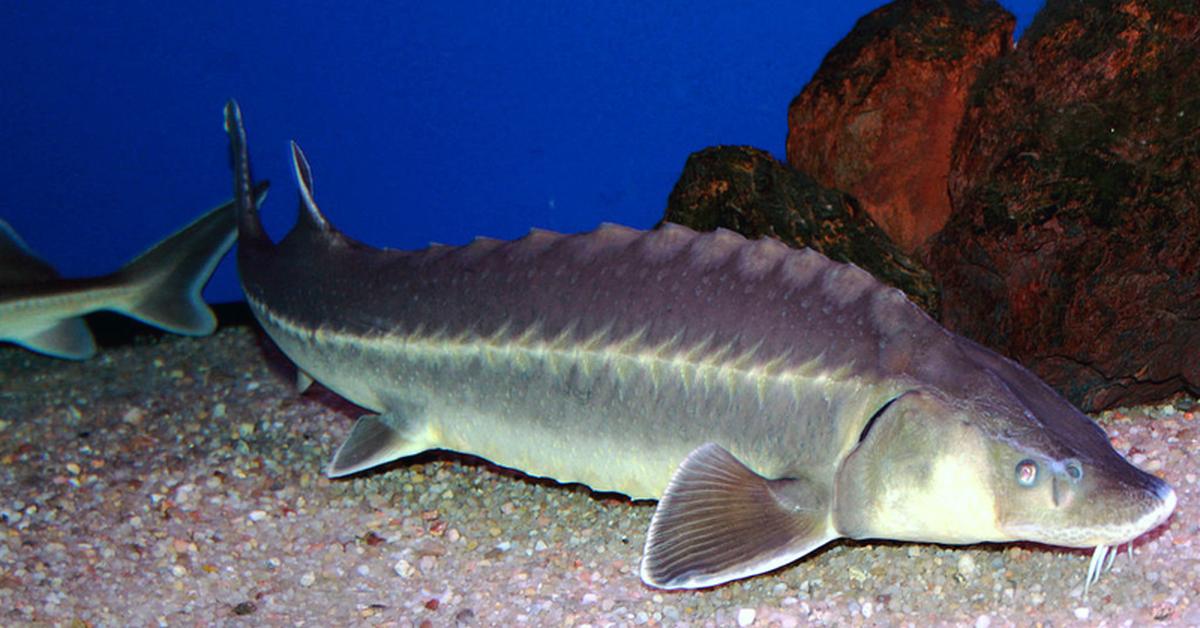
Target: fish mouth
(1113,533)
(1103,556)
(1106,538)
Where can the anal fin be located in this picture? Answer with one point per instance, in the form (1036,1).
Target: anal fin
(719,521)
(303,381)
(375,440)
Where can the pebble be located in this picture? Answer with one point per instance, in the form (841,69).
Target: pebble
(404,569)
(257,515)
(308,579)
(133,416)
(966,566)
(746,616)
(1082,613)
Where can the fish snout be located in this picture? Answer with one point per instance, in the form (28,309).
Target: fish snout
(1093,505)
(1132,503)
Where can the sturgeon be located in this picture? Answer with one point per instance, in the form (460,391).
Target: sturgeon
(772,400)
(43,312)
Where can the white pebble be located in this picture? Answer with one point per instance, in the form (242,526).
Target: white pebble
(257,515)
(1082,613)
(308,579)
(404,569)
(966,566)
(983,621)
(133,415)
(746,616)
(363,570)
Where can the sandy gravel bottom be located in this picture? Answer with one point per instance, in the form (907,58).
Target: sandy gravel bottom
(178,482)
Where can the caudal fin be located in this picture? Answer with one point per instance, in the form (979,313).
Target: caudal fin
(66,338)
(249,225)
(170,275)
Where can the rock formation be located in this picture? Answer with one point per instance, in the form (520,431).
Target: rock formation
(1074,244)
(880,115)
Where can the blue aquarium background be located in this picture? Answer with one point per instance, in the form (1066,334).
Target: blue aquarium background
(423,121)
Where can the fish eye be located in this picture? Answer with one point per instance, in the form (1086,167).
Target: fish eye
(1027,471)
(1074,470)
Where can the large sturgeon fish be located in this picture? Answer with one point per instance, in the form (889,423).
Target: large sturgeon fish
(771,399)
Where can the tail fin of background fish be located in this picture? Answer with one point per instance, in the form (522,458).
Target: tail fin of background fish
(168,278)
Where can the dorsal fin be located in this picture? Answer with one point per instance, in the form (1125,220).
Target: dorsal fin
(309,214)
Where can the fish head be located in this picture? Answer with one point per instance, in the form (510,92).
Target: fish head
(1065,483)
(1059,493)
(1011,462)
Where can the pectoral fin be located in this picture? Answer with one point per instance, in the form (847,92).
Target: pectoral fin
(68,338)
(720,521)
(378,439)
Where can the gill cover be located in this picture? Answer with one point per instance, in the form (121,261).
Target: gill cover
(919,473)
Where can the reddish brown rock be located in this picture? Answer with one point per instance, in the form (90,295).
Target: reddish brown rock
(1075,241)
(879,117)
(746,190)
